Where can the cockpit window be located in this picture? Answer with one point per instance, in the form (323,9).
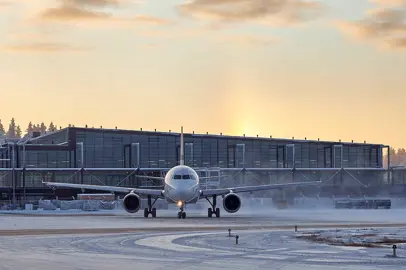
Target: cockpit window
(184,176)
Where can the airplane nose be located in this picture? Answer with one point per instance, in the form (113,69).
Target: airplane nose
(184,194)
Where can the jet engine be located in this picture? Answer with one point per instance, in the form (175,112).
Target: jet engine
(131,203)
(231,203)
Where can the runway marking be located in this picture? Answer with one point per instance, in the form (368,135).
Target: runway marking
(227,264)
(269,257)
(308,251)
(166,242)
(276,249)
(334,260)
(349,248)
(121,256)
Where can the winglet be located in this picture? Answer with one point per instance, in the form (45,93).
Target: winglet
(182,158)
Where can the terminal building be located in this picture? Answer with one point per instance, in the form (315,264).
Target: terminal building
(115,157)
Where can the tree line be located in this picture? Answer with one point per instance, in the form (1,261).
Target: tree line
(397,157)
(14,131)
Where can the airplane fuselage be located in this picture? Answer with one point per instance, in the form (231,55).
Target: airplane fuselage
(182,186)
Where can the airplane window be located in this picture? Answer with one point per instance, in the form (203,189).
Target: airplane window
(185,176)
(177,176)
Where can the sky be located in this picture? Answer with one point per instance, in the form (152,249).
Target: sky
(288,68)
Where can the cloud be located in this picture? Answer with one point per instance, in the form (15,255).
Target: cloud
(257,11)
(93,3)
(75,11)
(384,26)
(69,13)
(43,47)
(5,5)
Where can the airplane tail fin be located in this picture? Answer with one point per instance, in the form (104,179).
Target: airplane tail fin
(182,156)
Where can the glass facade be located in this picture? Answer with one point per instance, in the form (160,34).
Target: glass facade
(114,149)
(97,148)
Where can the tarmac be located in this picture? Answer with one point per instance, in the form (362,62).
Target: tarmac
(267,239)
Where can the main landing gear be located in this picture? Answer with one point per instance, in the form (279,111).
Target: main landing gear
(150,210)
(213,210)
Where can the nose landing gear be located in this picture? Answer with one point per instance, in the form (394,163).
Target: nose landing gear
(181,213)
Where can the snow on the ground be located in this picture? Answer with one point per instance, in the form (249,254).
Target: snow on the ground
(368,237)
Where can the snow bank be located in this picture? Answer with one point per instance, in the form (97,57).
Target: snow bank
(373,238)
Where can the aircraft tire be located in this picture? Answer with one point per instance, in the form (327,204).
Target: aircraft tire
(209,212)
(153,212)
(218,212)
(146,212)
(183,215)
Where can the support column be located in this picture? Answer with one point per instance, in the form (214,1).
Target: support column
(81,175)
(23,175)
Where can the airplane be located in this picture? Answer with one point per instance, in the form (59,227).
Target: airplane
(181,187)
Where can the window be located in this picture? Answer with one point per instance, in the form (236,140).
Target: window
(184,177)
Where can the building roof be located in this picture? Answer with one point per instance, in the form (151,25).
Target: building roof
(207,135)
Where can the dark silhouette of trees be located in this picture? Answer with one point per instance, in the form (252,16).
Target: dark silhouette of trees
(14,131)
(51,127)
(36,128)
(12,128)
(18,132)
(29,129)
(43,128)
(2,131)
(397,158)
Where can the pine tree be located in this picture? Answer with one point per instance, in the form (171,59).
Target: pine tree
(43,128)
(2,131)
(18,132)
(51,127)
(29,129)
(11,133)
(36,128)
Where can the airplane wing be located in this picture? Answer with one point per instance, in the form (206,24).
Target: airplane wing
(224,191)
(151,192)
